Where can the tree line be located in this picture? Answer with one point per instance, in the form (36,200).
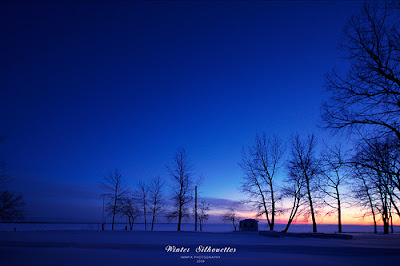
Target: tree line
(152,200)
(363,104)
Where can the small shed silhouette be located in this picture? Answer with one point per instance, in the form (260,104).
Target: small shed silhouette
(248,225)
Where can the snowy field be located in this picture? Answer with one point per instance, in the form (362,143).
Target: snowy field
(94,247)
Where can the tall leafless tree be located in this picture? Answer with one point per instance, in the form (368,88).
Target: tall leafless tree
(181,172)
(129,207)
(366,96)
(363,195)
(304,164)
(365,99)
(334,176)
(114,188)
(260,164)
(376,161)
(294,190)
(382,155)
(231,216)
(203,216)
(143,193)
(156,199)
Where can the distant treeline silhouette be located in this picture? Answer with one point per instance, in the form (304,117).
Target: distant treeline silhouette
(150,199)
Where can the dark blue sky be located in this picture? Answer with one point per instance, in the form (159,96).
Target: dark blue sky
(89,87)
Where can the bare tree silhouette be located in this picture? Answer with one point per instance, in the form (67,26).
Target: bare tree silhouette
(12,205)
(376,161)
(143,193)
(231,216)
(363,195)
(260,164)
(304,165)
(366,96)
(181,172)
(293,189)
(203,216)
(114,188)
(156,199)
(127,206)
(334,176)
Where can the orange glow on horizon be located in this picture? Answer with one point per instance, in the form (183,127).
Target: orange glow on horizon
(349,217)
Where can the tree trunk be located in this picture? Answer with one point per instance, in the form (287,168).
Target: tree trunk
(394,205)
(385,214)
(271,226)
(144,213)
(112,225)
(339,211)
(293,212)
(391,223)
(179,216)
(311,206)
(152,221)
(371,205)
(287,226)
(264,204)
(195,208)
(375,226)
(114,211)
(130,223)
(339,219)
(385,227)
(385,219)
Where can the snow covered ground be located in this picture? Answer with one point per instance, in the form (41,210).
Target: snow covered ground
(93,247)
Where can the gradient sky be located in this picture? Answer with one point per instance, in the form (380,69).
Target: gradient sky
(89,87)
